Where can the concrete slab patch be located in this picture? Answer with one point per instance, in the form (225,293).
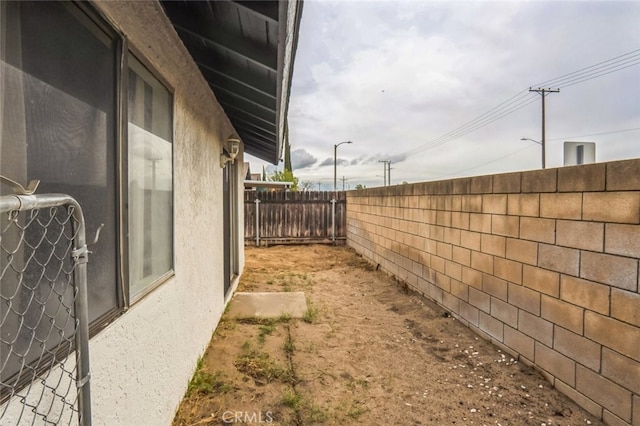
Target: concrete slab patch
(268,304)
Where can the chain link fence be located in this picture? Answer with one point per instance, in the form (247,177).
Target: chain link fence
(44,358)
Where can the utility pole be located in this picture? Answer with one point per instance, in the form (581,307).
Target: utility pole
(385,165)
(544,93)
(318,186)
(343,179)
(389,172)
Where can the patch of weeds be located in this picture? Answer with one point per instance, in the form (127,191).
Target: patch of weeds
(284,318)
(257,321)
(292,399)
(333,329)
(311,314)
(265,321)
(315,414)
(306,411)
(356,411)
(289,282)
(229,324)
(204,382)
(289,345)
(269,282)
(246,346)
(260,366)
(266,330)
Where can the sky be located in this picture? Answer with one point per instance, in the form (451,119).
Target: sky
(441,88)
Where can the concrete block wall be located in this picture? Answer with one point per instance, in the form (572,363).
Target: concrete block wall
(542,263)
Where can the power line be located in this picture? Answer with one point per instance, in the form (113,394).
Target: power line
(523,99)
(492,161)
(596,134)
(509,106)
(533,146)
(624,59)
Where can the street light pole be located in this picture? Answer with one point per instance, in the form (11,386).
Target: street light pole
(335,160)
(539,143)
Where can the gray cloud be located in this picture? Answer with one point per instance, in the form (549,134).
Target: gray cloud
(396,76)
(339,162)
(327,162)
(397,158)
(301,159)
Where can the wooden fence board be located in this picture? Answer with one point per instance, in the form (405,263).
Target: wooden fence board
(293,217)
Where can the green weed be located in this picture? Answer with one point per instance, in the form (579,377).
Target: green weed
(204,382)
(260,366)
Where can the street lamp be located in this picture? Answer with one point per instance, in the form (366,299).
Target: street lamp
(543,151)
(335,151)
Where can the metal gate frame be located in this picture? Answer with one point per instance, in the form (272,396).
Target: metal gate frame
(37,395)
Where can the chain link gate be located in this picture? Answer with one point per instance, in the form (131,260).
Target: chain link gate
(44,339)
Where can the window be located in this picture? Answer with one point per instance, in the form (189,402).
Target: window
(60,121)
(150,180)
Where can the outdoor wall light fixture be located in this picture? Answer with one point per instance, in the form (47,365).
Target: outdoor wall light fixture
(230,150)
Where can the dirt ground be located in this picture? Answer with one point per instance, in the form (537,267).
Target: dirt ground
(366,352)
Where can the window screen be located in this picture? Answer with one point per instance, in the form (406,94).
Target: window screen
(57,121)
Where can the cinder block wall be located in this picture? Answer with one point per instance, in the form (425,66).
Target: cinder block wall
(542,263)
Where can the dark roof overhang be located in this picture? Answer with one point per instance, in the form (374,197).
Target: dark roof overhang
(245,50)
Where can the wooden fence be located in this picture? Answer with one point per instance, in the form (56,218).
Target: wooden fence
(294,217)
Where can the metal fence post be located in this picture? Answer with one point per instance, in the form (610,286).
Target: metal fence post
(333,220)
(257,201)
(80,255)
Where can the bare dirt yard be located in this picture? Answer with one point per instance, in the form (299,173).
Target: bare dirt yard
(366,352)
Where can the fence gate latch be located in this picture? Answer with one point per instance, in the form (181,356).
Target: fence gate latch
(19,189)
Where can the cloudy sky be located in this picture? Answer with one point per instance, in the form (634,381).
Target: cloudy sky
(441,88)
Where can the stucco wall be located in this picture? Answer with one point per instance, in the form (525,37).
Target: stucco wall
(542,263)
(141,363)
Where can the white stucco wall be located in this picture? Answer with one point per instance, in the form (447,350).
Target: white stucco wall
(142,362)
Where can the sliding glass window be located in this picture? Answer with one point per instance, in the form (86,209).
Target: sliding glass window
(150,179)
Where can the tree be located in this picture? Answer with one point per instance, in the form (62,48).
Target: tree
(305,185)
(360,186)
(287,148)
(285,176)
